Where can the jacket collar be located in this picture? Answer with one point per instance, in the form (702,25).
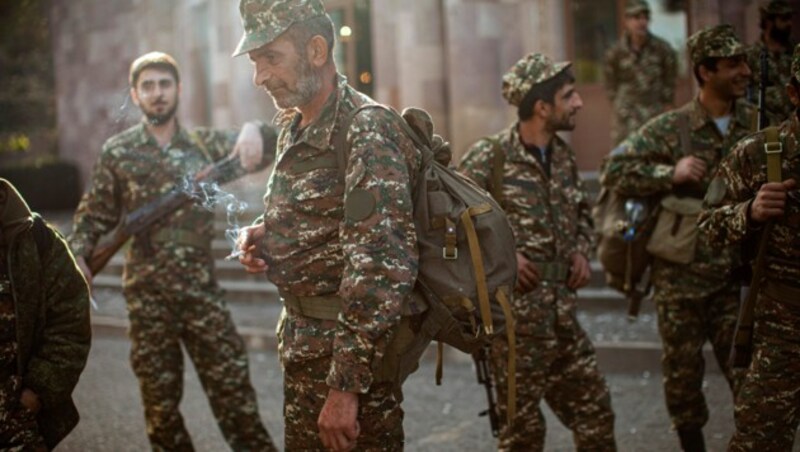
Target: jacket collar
(699,117)
(319,133)
(142,137)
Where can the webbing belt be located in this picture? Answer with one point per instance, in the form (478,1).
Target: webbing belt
(552,271)
(181,237)
(322,307)
(773,148)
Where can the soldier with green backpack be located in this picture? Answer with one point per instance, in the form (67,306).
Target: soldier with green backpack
(755,194)
(532,173)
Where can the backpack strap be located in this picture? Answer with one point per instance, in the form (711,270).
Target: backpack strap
(498,164)
(684,133)
(773,148)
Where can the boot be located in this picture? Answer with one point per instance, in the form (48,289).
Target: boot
(692,439)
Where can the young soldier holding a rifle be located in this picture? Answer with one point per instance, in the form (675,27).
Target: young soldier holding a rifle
(755,193)
(171,293)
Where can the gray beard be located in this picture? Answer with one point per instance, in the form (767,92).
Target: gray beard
(308,84)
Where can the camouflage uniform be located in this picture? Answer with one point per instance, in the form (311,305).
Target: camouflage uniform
(766,406)
(183,305)
(44,328)
(322,242)
(549,212)
(640,84)
(779,65)
(698,301)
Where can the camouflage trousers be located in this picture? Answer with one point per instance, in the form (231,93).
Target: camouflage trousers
(160,322)
(19,430)
(767,408)
(555,362)
(685,324)
(380,416)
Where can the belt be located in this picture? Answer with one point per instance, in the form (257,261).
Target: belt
(322,307)
(181,237)
(782,292)
(552,271)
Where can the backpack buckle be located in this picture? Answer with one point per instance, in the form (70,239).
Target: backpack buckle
(773,148)
(449,256)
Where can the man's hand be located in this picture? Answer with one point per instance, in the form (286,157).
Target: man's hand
(249,146)
(770,201)
(580,272)
(249,243)
(84,267)
(338,427)
(30,400)
(689,169)
(527,274)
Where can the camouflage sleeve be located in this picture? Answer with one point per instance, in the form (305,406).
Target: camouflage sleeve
(610,73)
(60,356)
(584,242)
(670,73)
(477,163)
(100,208)
(219,143)
(643,164)
(724,217)
(379,243)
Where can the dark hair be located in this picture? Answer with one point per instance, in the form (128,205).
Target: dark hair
(302,32)
(545,91)
(709,63)
(166,67)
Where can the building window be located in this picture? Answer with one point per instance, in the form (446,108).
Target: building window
(594,30)
(353,52)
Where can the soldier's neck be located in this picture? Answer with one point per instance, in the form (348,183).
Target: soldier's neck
(311,111)
(534,133)
(637,41)
(163,133)
(715,105)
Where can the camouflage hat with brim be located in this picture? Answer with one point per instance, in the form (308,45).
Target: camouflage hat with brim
(633,7)
(719,41)
(533,69)
(265,20)
(775,8)
(796,62)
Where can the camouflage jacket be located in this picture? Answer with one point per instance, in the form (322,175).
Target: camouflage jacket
(315,246)
(51,303)
(133,170)
(779,72)
(738,179)
(640,84)
(549,215)
(643,165)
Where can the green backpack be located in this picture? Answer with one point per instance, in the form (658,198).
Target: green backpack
(467,259)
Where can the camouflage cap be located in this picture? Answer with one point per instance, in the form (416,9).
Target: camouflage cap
(532,69)
(633,7)
(152,59)
(718,41)
(265,20)
(796,62)
(774,8)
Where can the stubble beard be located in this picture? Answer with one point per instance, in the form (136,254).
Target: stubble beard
(158,119)
(309,83)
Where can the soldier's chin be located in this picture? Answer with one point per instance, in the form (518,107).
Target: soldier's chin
(158,120)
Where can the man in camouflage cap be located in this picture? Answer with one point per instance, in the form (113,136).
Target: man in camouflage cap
(45,330)
(548,207)
(170,290)
(776,32)
(639,72)
(736,210)
(672,157)
(341,250)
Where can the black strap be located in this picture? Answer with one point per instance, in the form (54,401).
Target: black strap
(42,236)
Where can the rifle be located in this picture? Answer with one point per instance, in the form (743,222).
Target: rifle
(144,218)
(483,372)
(742,348)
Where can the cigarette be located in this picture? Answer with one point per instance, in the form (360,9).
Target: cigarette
(235,255)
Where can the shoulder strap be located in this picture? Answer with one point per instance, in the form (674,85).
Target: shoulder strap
(498,164)
(202,146)
(773,148)
(42,236)
(684,133)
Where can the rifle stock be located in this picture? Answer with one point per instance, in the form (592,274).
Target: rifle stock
(483,372)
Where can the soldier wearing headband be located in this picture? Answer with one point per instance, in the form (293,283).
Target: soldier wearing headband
(548,208)
(672,159)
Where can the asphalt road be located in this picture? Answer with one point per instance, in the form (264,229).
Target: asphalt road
(437,418)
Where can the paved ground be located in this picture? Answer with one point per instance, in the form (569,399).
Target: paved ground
(437,418)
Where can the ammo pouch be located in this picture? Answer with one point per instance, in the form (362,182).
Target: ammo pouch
(674,238)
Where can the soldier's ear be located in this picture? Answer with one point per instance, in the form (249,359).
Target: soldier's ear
(317,50)
(134,96)
(541,108)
